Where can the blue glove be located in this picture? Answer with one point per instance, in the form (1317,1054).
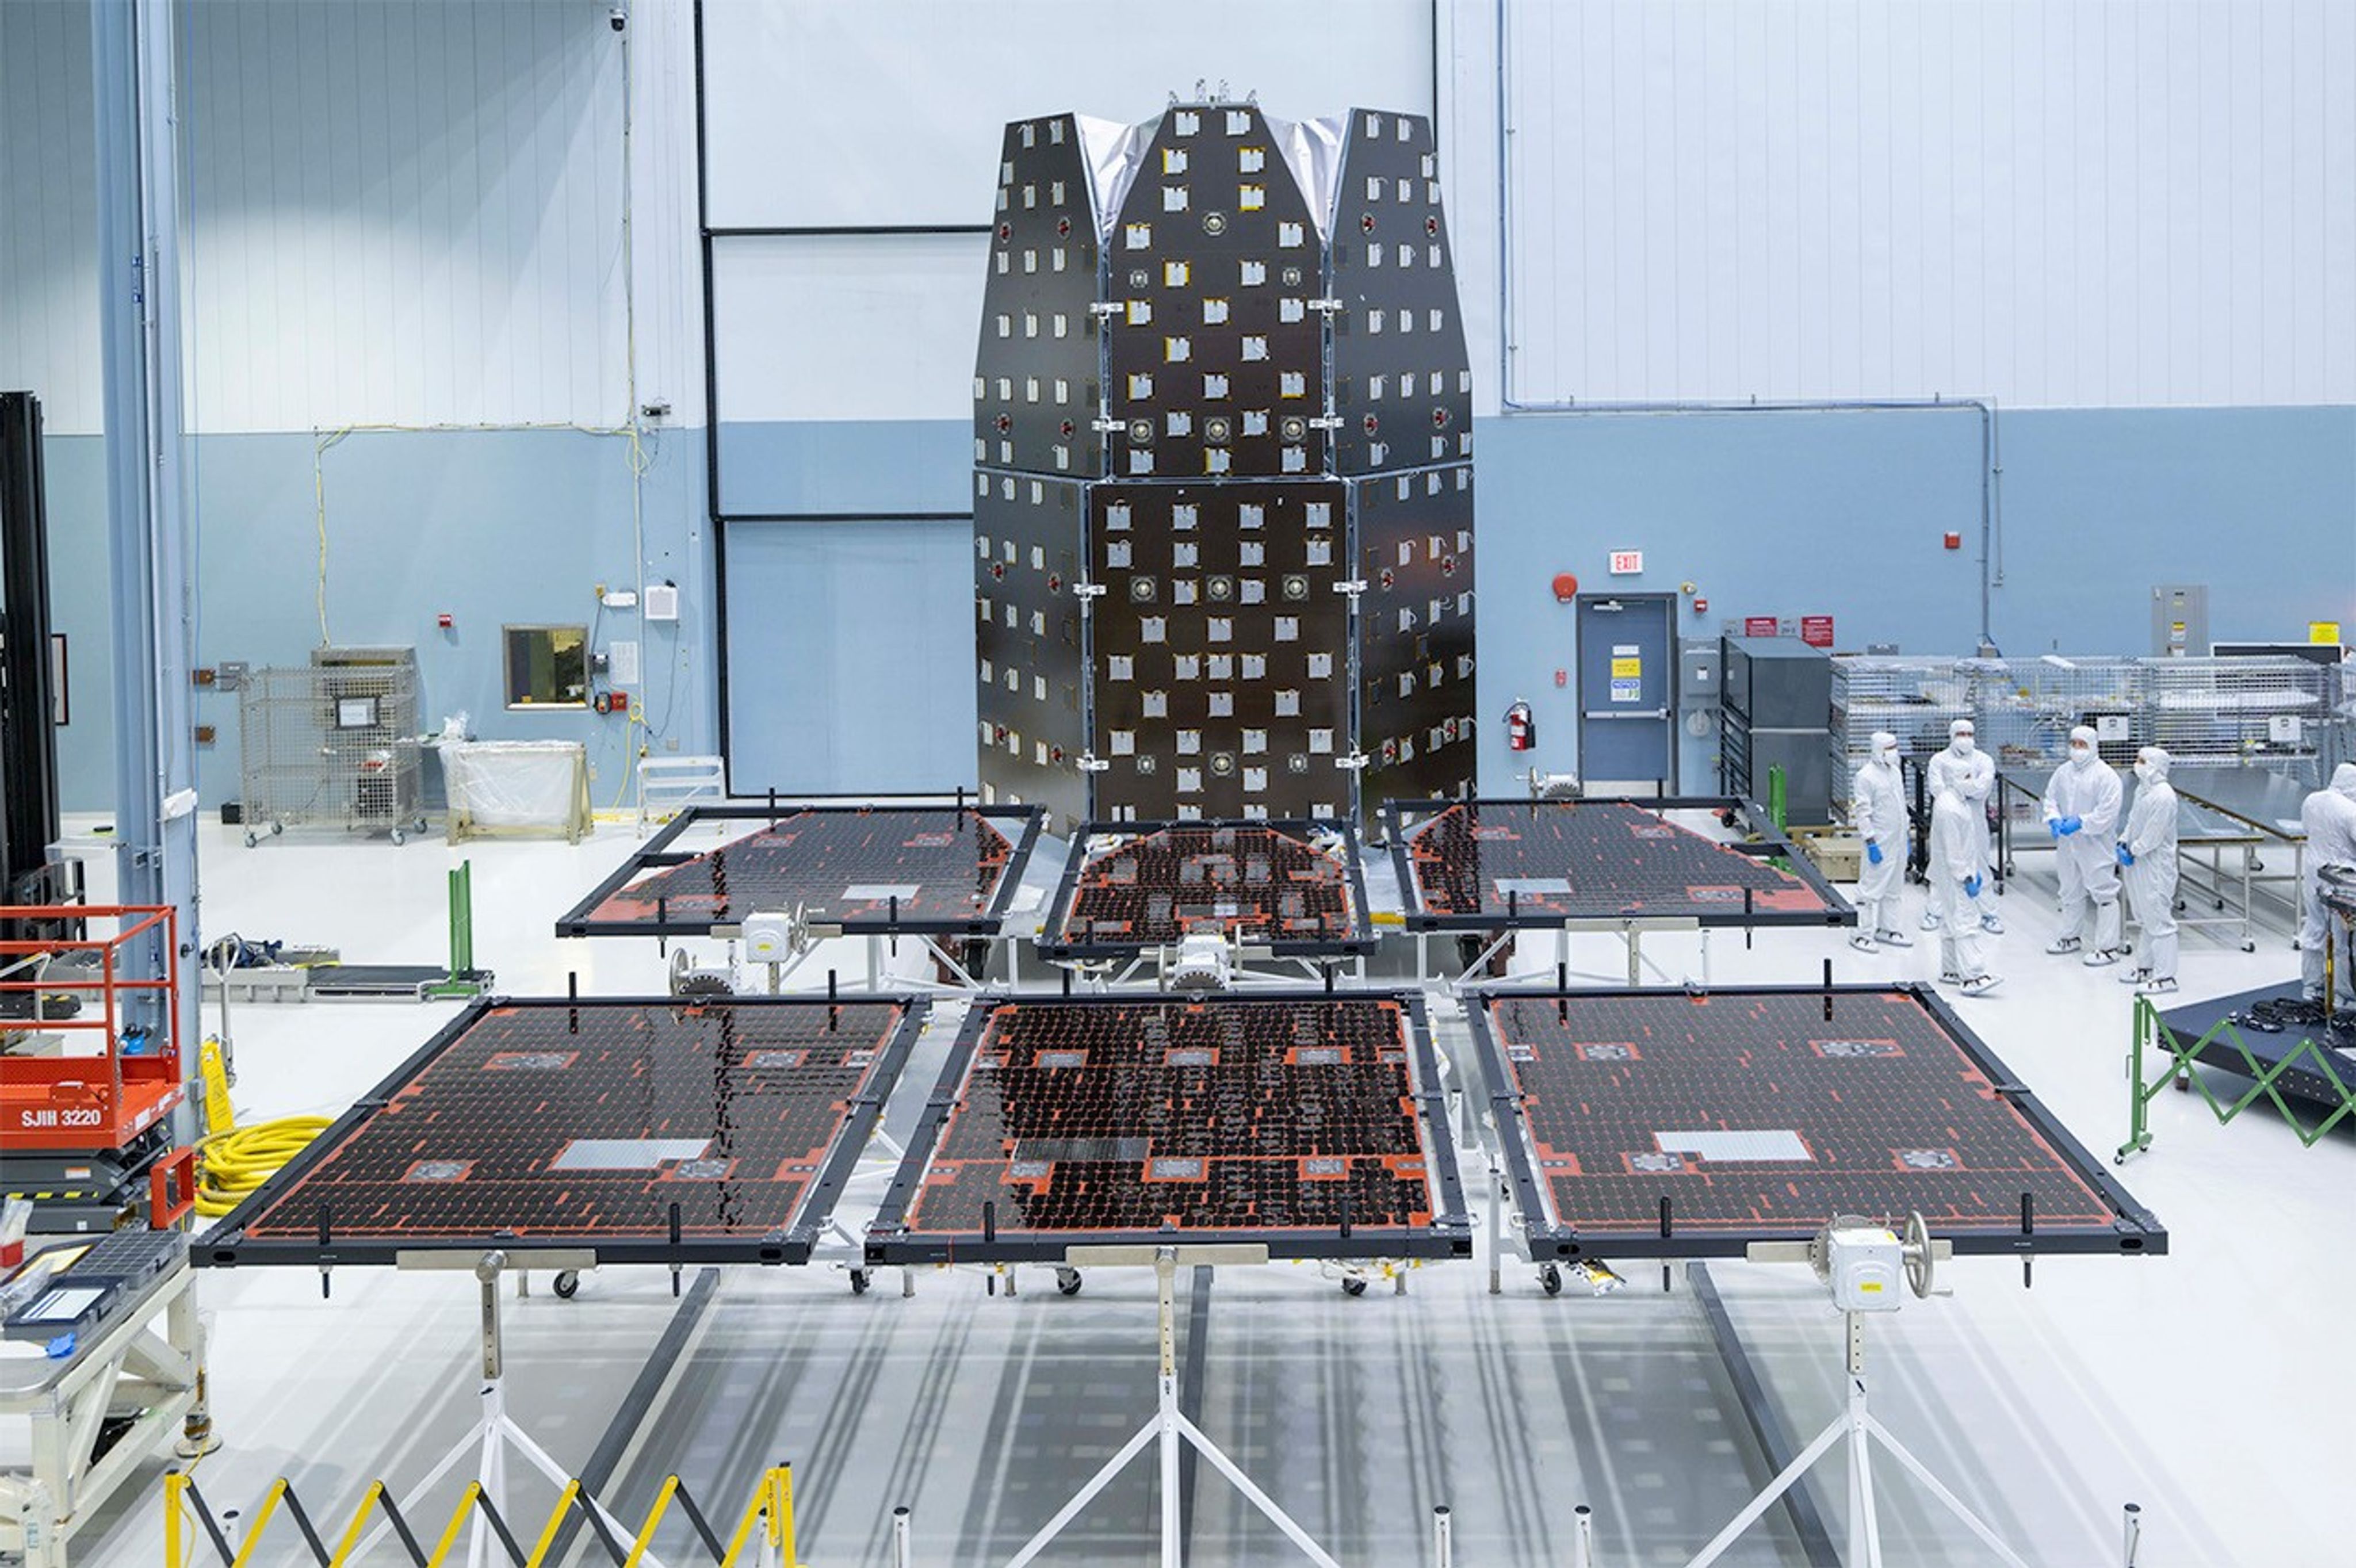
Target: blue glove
(2126,855)
(2065,826)
(1971,886)
(1873,854)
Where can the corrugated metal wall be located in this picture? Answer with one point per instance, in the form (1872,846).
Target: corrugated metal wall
(2057,203)
(403,212)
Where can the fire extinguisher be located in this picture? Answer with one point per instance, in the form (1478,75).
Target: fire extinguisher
(1521,728)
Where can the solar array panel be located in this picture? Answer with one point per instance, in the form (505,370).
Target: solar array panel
(1680,1122)
(647,1130)
(869,869)
(1473,864)
(1294,886)
(1309,1121)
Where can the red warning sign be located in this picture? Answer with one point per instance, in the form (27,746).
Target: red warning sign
(1816,631)
(1758,626)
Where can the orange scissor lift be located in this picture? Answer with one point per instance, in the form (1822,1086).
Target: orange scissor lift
(82,1107)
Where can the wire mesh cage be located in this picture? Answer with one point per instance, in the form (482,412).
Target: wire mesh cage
(332,744)
(2027,708)
(1914,699)
(2267,711)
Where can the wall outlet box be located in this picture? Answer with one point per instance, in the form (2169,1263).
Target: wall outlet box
(619,598)
(662,601)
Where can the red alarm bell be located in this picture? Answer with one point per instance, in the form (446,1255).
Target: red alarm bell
(1566,587)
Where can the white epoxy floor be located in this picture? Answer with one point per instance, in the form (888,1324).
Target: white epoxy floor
(2199,1385)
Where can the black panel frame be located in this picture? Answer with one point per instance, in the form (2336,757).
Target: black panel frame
(225,1246)
(1363,938)
(2134,1231)
(657,855)
(1401,818)
(1449,1234)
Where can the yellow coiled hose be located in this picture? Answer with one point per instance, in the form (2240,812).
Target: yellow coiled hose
(230,1165)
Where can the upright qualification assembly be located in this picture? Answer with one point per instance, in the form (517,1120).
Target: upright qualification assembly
(1223,487)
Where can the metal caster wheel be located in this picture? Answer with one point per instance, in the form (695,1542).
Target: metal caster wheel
(1354,1286)
(1550,1280)
(860,1280)
(250,839)
(1068,1281)
(567,1283)
(277,828)
(398,837)
(2249,947)
(2183,1084)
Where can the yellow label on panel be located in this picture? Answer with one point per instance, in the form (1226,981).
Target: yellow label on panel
(1627,669)
(2323,631)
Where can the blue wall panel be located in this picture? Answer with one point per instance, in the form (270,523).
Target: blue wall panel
(875,467)
(1766,513)
(851,663)
(493,527)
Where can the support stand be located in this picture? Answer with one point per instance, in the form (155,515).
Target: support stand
(497,1433)
(1861,1430)
(1169,1428)
(1862,1265)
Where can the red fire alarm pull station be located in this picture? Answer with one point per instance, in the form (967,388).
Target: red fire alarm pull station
(1566,587)
(445,620)
(1954,541)
(1701,605)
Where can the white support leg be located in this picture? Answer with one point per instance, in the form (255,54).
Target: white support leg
(1169,1429)
(1857,1426)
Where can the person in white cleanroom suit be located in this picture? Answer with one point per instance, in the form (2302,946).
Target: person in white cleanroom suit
(2081,811)
(1958,871)
(1973,773)
(2146,855)
(1877,806)
(2328,818)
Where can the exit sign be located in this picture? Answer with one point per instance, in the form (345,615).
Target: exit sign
(1627,563)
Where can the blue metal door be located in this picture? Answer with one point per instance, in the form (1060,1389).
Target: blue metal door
(1627,684)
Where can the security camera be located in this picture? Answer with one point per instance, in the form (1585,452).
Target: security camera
(618,17)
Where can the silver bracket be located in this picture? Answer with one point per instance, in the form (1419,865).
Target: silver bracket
(1330,306)
(1085,589)
(1326,422)
(1108,426)
(1105,309)
(1087,762)
(1354,588)
(1354,761)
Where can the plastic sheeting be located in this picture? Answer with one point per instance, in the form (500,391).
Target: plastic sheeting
(517,785)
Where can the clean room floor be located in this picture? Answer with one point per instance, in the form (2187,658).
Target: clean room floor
(2188,1384)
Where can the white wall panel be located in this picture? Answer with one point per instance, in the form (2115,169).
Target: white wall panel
(2061,202)
(400,211)
(49,213)
(850,327)
(404,212)
(888,111)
